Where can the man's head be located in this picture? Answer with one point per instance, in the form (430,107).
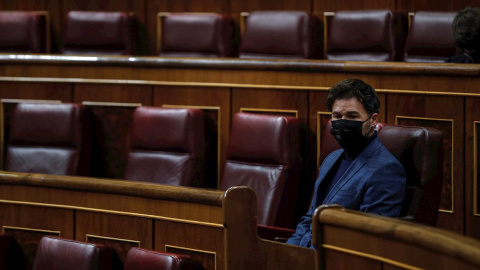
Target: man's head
(466,29)
(354,106)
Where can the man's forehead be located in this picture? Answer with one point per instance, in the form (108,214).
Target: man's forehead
(348,105)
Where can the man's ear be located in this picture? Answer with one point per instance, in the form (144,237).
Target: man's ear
(374,120)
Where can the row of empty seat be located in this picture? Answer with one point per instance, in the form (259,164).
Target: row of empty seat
(55,253)
(362,35)
(168,145)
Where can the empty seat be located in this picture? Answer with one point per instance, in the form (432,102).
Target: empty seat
(143,259)
(92,32)
(167,146)
(54,253)
(196,35)
(419,150)
(366,35)
(430,38)
(263,153)
(24,32)
(50,139)
(280,34)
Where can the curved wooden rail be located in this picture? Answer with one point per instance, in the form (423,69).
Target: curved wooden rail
(390,241)
(119,187)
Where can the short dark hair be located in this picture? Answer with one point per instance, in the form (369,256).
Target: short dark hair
(466,29)
(354,88)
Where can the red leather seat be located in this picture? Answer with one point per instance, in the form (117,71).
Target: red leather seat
(281,34)
(54,253)
(11,255)
(50,139)
(167,146)
(366,35)
(430,38)
(263,153)
(92,32)
(419,150)
(197,35)
(143,259)
(24,32)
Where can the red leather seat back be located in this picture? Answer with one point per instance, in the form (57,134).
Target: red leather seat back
(280,34)
(367,35)
(167,146)
(54,253)
(419,150)
(92,32)
(263,153)
(430,38)
(197,35)
(23,32)
(142,259)
(11,255)
(50,139)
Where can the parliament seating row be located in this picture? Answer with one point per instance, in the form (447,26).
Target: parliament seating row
(362,35)
(61,253)
(167,146)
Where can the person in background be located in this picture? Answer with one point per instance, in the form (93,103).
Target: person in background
(363,175)
(466,31)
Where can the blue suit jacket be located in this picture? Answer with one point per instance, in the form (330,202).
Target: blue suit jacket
(374,183)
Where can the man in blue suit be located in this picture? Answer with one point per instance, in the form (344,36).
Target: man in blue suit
(363,175)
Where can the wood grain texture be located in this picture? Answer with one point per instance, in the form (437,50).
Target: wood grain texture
(391,241)
(414,90)
(472,159)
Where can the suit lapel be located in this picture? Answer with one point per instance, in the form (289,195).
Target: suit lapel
(356,165)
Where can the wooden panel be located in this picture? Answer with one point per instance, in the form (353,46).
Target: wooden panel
(111,124)
(27,224)
(215,103)
(339,260)
(35,90)
(104,228)
(420,110)
(123,93)
(183,238)
(110,145)
(472,159)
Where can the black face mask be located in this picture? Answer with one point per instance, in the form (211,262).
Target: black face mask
(348,134)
